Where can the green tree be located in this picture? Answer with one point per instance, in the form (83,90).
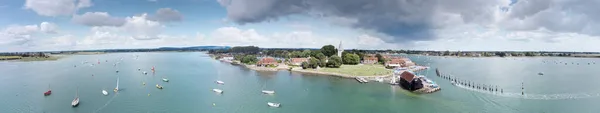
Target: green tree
(351,58)
(323,62)
(380,58)
(296,54)
(249,59)
(321,56)
(304,65)
(305,53)
(313,63)
(334,62)
(328,50)
(315,52)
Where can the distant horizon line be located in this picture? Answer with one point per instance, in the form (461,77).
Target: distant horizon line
(183,47)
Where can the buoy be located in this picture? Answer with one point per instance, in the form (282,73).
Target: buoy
(143,83)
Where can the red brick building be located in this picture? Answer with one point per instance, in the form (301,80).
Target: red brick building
(267,61)
(298,61)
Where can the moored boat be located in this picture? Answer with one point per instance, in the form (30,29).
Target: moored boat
(268,91)
(217,90)
(165,80)
(75,101)
(104,92)
(47,93)
(272,104)
(219,82)
(159,86)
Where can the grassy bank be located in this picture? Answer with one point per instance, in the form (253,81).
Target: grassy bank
(358,70)
(9,57)
(50,58)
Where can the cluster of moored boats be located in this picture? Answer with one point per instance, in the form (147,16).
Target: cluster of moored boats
(76,100)
(269,92)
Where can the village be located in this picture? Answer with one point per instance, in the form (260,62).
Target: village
(364,67)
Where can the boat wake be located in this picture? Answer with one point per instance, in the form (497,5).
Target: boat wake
(107,102)
(534,96)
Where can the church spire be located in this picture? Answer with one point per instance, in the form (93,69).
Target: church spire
(340,49)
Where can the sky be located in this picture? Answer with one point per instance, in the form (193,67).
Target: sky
(456,25)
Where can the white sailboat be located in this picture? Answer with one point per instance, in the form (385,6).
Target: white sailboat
(75,101)
(270,92)
(273,104)
(117,88)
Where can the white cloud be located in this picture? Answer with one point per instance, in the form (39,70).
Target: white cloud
(48,27)
(56,7)
(98,19)
(141,28)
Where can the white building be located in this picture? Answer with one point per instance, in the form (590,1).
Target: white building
(340,50)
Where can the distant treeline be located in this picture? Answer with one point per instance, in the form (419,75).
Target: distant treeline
(304,52)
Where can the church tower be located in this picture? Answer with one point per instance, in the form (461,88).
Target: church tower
(340,49)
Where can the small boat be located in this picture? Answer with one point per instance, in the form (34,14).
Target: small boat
(268,92)
(217,90)
(139,69)
(75,101)
(379,79)
(453,83)
(145,73)
(47,93)
(159,86)
(117,71)
(272,104)
(219,82)
(143,83)
(540,73)
(165,80)
(117,88)
(104,92)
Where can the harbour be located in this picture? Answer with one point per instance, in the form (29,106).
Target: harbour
(192,76)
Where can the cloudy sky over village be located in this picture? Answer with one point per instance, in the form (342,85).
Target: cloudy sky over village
(546,25)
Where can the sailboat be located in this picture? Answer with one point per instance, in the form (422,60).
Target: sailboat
(47,93)
(117,88)
(270,92)
(75,101)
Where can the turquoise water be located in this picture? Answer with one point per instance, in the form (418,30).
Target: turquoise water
(562,88)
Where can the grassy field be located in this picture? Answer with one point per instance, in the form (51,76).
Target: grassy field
(40,58)
(9,57)
(359,70)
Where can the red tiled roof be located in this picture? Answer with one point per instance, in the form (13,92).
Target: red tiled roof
(267,60)
(299,60)
(407,76)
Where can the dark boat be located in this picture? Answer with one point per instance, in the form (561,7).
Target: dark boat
(47,92)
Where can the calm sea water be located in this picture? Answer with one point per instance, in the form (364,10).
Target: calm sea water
(562,88)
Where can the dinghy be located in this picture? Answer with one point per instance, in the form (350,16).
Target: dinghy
(104,92)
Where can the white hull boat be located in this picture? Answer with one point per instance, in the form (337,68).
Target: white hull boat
(218,90)
(268,92)
(272,104)
(104,92)
(219,82)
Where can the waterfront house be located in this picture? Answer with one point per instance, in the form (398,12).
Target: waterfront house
(395,62)
(370,59)
(298,61)
(267,61)
(409,81)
